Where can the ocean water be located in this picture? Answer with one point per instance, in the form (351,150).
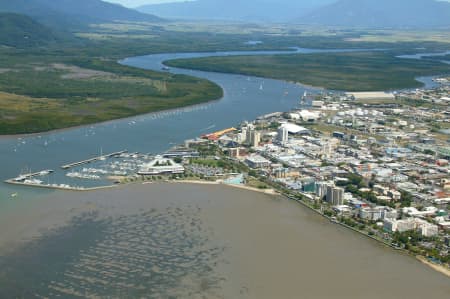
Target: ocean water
(177,240)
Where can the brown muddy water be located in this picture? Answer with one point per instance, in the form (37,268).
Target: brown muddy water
(195,241)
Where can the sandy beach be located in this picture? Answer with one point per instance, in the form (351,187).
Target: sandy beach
(440,269)
(244,187)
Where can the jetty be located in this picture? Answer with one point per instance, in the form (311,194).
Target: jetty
(31,175)
(56,186)
(102,157)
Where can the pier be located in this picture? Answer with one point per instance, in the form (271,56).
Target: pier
(30,175)
(70,165)
(58,187)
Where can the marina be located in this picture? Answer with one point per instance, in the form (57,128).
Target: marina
(104,171)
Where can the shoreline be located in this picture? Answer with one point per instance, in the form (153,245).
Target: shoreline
(106,122)
(441,269)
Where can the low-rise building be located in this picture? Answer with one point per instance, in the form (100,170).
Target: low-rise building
(425,228)
(429,230)
(257,161)
(161,165)
(377,213)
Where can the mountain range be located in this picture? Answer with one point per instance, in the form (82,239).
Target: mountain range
(74,13)
(256,10)
(382,14)
(347,13)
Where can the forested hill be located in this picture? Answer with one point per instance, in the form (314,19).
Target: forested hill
(21,31)
(67,14)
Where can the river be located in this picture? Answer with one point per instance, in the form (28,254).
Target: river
(244,98)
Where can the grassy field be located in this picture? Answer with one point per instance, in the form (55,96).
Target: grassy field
(357,71)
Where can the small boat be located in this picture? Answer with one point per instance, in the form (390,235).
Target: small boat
(45,172)
(14,195)
(165,68)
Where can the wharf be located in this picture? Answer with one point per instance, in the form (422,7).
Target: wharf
(23,177)
(58,187)
(70,165)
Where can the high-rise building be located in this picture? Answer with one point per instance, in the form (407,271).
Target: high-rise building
(283,135)
(253,136)
(242,137)
(256,139)
(321,189)
(249,131)
(335,195)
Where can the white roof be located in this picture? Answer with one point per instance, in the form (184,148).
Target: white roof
(372,95)
(293,128)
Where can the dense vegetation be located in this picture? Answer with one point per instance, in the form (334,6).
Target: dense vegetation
(356,71)
(41,93)
(22,31)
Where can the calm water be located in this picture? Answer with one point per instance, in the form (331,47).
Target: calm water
(191,241)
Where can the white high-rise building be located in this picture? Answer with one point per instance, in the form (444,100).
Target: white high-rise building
(255,139)
(242,137)
(249,131)
(321,189)
(283,135)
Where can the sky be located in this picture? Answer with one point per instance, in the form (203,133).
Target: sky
(135,3)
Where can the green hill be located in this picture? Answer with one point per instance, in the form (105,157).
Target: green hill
(20,31)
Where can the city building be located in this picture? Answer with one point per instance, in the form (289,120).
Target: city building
(161,165)
(257,161)
(253,137)
(425,228)
(335,195)
(321,188)
(429,230)
(377,213)
(283,135)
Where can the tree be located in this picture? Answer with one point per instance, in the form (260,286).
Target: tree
(252,173)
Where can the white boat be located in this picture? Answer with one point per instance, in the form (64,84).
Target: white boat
(45,172)
(33,182)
